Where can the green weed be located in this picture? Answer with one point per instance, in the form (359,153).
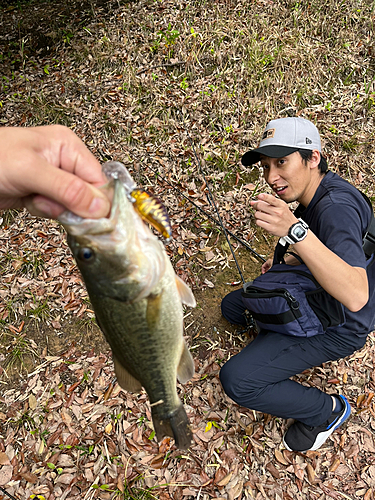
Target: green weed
(136,492)
(40,309)
(17,349)
(7,217)
(31,263)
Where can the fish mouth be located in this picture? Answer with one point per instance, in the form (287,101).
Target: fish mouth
(119,181)
(114,170)
(78,226)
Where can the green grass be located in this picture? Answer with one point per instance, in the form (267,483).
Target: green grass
(39,309)
(7,217)
(17,348)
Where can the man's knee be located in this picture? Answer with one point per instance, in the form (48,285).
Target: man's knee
(243,392)
(225,309)
(232,308)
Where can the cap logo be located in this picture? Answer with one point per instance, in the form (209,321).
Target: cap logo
(308,141)
(268,133)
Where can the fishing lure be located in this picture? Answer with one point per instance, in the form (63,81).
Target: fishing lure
(152,211)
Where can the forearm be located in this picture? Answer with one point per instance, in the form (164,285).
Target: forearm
(345,283)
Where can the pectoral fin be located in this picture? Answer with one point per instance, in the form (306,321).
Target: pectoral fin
(125,380)
(186,294)
(186,367)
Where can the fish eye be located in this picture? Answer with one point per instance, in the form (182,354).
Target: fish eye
(86,254)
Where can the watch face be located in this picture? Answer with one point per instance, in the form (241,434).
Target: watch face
(298,232)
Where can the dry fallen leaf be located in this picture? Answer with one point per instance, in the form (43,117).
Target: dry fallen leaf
(360,400)
(235,491)
(4,460)
(280,457)
(272,469)
(32,402)
(334,465)
(368,494)
(299,472)
(310,473)
(31,478)
(225,480)
(6,472)
(157,461)
(65,478)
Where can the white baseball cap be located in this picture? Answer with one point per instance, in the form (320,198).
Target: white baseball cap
(283,137)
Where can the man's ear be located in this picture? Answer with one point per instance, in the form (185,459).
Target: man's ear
(315,159)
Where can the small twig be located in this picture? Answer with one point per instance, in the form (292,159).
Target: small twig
(165,65)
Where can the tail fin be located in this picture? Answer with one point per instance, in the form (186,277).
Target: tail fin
(175,424)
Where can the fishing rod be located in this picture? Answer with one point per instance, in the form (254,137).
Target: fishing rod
(209,216)
(8,494)
(211,200)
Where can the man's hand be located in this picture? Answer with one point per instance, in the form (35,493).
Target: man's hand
(48,170)
(266,266)
(273,215)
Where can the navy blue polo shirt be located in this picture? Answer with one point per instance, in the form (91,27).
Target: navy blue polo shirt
(339,216)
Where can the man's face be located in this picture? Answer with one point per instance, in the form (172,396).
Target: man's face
(289,177)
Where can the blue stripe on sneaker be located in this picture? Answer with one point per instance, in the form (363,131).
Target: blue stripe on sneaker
(336,423)
(332,423)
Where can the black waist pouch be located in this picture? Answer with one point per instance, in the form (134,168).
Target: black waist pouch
(288,299)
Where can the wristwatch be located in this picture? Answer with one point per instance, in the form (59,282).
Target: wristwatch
(297,232)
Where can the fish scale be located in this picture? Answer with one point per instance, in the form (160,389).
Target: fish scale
(139,338)
(137,299)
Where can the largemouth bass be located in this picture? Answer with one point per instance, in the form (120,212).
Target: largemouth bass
(137,299)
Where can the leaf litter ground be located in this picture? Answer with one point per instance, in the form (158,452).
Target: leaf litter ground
(122,75)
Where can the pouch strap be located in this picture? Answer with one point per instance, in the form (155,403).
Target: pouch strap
(369,237)
(277,319)
(280,251)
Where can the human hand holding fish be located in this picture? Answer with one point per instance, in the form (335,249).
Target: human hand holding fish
(137,299)
(48,170)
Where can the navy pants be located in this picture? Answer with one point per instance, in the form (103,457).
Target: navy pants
(259,376)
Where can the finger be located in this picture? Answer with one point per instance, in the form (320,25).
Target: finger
(270,199)
(266,217)
(69,153)
(64,189)
(43,207)
(263,206)
(265,225)
(265,267)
